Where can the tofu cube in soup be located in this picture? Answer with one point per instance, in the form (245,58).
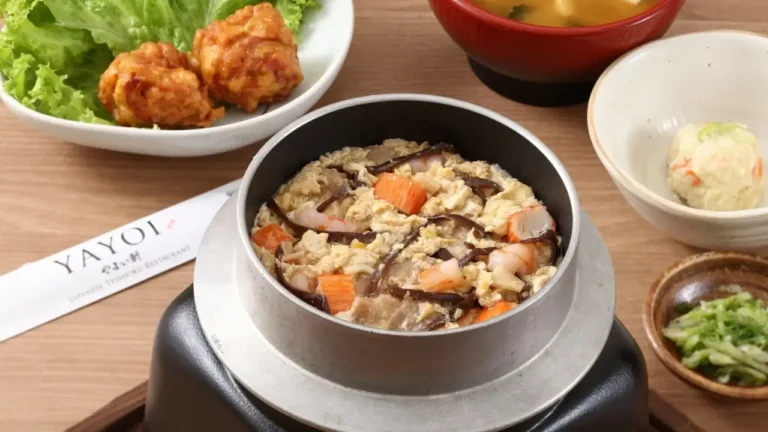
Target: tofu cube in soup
(565,7)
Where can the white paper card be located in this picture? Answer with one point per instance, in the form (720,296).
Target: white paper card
(41,291)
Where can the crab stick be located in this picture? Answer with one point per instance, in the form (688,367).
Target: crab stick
(405,194)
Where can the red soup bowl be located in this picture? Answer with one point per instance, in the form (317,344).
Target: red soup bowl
(546,65)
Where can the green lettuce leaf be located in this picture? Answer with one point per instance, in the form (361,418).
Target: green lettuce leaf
(293,11)
(34,30)
(53,96)
(53,52)
(36,57)
(125,24)
(220,9)
(19,75)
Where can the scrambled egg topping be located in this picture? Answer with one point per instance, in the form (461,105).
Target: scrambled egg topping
(447,193)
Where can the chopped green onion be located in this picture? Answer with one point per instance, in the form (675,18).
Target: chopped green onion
(725,339)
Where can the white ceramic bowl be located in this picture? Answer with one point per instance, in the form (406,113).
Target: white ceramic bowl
(325,41)
(643,98)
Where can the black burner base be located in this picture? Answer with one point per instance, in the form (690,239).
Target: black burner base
(191,391)
(533,93)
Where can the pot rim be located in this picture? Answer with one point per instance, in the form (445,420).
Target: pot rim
(406,97)
(468,8)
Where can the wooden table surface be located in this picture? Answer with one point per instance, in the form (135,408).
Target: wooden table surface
(54,195)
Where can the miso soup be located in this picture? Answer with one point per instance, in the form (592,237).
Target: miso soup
(566,13)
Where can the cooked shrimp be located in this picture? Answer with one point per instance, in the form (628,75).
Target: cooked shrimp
(312,218)
(304,282)
(441,277)
(423,164)
(519,258)
(528,223)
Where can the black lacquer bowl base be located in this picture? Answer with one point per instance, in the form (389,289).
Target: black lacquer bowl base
(533,93)
(190,390)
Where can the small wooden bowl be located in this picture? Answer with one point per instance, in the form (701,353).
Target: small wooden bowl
(700,277)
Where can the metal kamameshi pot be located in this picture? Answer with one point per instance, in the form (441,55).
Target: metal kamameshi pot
(400,363)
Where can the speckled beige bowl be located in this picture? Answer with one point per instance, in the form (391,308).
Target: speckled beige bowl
(644,97)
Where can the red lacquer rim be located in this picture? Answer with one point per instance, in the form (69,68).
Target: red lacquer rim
(489,18)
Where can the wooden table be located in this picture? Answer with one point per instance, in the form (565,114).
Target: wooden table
(54,195)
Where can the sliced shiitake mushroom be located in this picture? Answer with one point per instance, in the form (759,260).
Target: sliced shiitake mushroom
(461,220)
(469,308)
(339,194)
(550,238)
(474,254)
(480,185)
(443,254)
(443,298)
(394,163)
(318,301)
(470,300)
(333,236)
(432,323)
(352,177)
(381,272)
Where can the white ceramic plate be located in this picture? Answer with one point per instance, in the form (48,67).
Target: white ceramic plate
(325,40)
(221,271)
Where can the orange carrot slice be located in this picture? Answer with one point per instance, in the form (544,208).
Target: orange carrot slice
(757,170)
(405,194)
(695,180)
(270,237)
(500,308)
(339,290)
(685,163)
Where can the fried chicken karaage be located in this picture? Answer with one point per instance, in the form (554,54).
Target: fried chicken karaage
(153,85)
(248,59)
